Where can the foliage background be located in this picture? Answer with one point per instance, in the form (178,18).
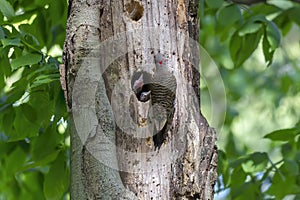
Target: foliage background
(34,144)
(256,49)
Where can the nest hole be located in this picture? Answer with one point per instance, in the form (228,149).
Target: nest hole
(135,10)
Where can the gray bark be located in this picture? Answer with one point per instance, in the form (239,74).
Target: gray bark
(112,155)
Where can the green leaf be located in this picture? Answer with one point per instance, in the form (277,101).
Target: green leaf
(259,157)
(54,76)
(242,47)
(29,112)
(223,166)
(23,127)
(42,82)
(271,39)
(57,180)
(45,79)
(235,45)
(15,94)
(229,15)
(288,150)
(290,168)
(44,69)
(250,44)
(273,35)
(294,14)
(40,29)
(60,103)
(8,119)
(246,191)
(249,28)
(236,163)
(24,16)
(282,135)
(279,188)
(256,162)
(52,61)
(31,42)
(2,33)
(45,147)
(11,42)
(264,9)
(40,100)
(57,11)
(238,176)
(46,160)
(268,54)
(15,160)
(283,22)
(4,63)
(284,180)
(32,185)
(28,59)
(6,9)
(214,3)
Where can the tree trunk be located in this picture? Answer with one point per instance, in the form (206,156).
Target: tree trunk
(112,153)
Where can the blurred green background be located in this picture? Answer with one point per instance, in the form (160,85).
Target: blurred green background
(258,143)
(34,144)
(254,48)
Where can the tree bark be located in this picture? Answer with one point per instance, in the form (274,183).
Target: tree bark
(112,154)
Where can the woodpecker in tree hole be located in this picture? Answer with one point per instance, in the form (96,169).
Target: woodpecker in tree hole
(161,89)
(141,85)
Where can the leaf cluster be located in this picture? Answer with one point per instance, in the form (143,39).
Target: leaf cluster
(235,35)
(255,176)
(239,30)
(33,138)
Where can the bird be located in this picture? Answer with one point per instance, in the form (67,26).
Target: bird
(163,93)
(160,88)
(141,85)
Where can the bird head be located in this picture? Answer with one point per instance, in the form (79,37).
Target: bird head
(138,84)
(160,61)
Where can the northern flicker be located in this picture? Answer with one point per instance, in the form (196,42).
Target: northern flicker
(161,89)
(163,92)
(141,85)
